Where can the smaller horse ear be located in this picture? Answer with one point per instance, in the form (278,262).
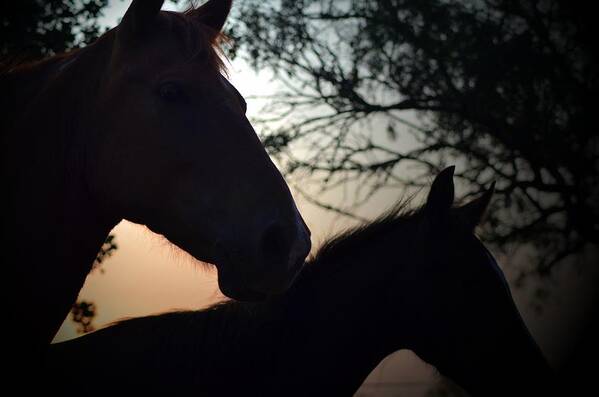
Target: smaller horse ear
(140,16)
(440,198)
(213,13)
(472,214)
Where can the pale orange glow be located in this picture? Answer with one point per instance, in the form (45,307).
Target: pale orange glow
(145,275)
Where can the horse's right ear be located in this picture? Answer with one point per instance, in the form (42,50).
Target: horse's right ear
(440,198)
(213,13)
(140,16)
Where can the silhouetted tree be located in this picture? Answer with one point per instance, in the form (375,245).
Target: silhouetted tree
(502,87)
(82,314)
(107,249)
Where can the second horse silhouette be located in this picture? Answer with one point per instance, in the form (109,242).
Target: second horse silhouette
(417,280)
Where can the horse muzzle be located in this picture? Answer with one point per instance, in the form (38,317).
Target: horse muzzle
(272,267)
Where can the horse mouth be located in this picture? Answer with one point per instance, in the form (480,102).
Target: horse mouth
(240,286)
(235,286)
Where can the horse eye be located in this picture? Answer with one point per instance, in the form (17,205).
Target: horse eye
(171,92)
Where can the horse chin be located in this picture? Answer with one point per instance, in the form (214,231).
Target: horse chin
(241,293)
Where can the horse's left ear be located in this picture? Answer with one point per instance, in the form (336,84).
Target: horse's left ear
(472,214)
(214,13)
(140,17)
(440,198)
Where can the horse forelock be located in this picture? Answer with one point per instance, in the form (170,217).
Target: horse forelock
(199,40)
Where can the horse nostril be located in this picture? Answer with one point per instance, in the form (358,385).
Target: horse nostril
(275,243)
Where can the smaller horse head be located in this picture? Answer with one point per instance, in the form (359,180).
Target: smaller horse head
(459,315)
(172,149)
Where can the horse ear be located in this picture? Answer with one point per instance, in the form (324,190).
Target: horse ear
(440,198)
(213,13)
(140,15)
(472,214)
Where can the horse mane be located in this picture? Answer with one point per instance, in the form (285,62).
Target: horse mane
(188,28)
(18,78)
(15,63)
(336,249)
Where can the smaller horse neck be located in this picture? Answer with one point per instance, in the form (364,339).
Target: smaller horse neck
(338,323)
(327,334)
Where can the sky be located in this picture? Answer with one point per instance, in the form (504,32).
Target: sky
(148,275)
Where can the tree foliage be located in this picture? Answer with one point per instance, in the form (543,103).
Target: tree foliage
(83,314)
(374,88)
(31,29)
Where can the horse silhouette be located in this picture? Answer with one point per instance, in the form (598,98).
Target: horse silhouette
(140,125)
(418,280)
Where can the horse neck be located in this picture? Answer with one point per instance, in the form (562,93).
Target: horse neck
(53,225)
(34,90)
(341,334)
(45,138)
(328,332)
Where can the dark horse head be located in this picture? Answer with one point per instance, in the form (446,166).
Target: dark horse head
(174,150)
(140,125)
(462,317)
